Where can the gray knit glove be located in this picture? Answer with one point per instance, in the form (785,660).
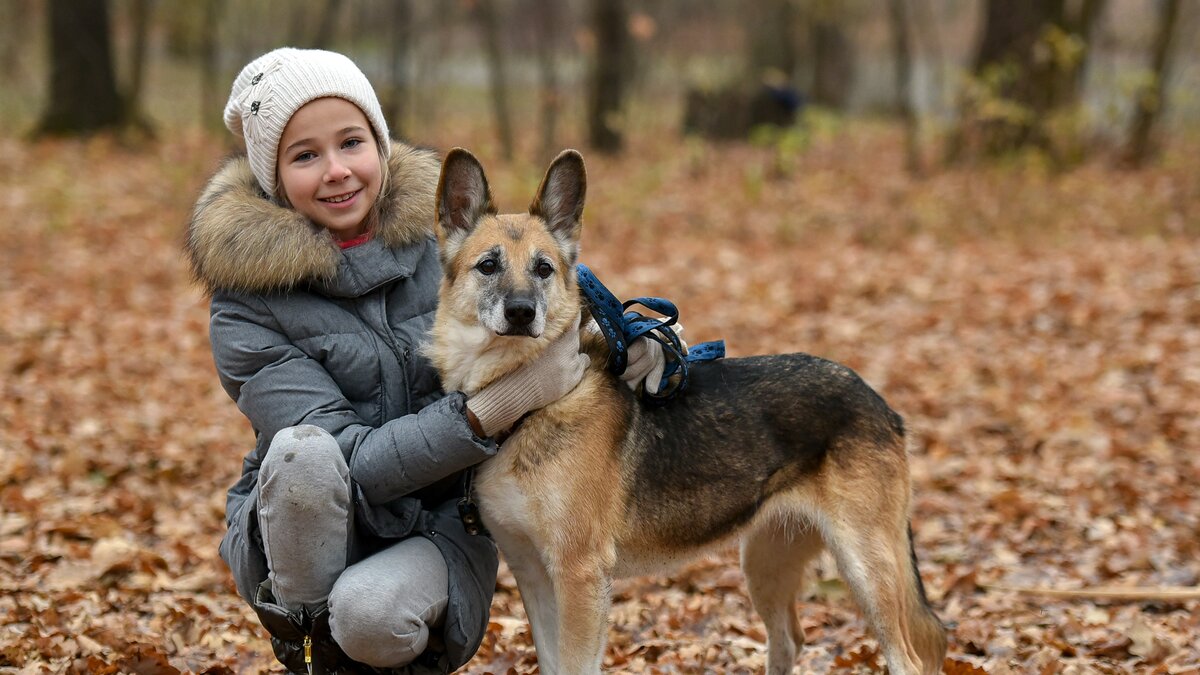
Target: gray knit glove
(535,385)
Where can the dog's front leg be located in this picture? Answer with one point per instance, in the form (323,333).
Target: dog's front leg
(537,594)
(584,591)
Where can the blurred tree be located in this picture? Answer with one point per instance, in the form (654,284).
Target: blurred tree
(1151,99)
(211,87)
(1081,25)
(83,89)
(10,45)
(139,33)
(902,56)
(16,21)
(770,28)
(400,34)
(1029,63)
(484,12)
(434,20)
(327,25)
(609,61)
(548,21)
(302,32)
(832,56)
(925,22)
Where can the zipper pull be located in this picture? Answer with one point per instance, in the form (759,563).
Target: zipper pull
(308,653)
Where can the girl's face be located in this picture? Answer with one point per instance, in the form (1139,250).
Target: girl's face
(329,165)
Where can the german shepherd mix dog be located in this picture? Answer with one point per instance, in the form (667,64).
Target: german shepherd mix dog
(789,453)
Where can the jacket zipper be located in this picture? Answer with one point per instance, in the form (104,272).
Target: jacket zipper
(308,653)
(402,356)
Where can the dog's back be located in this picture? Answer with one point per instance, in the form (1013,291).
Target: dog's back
(744,430)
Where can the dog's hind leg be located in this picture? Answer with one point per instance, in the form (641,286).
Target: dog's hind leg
(775,555)
(866,528)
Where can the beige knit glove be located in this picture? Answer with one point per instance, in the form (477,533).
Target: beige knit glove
(535,385)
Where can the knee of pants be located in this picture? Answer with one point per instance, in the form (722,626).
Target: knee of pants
(370,628)
(304,453)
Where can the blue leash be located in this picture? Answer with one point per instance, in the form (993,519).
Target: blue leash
(621,328)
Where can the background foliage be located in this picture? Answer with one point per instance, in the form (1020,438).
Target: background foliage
(1036,321)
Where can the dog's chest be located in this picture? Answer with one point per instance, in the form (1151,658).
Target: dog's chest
(504,504)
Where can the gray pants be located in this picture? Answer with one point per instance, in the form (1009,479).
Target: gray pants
(381,608)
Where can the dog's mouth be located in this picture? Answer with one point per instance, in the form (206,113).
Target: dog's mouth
(517,332)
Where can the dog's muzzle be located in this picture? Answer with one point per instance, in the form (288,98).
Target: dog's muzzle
(520,313)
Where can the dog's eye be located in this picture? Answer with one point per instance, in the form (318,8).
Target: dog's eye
(487,267)
(544,269)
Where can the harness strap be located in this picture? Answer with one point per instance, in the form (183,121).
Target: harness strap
(620,328)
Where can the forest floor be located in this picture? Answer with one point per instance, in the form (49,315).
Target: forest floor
(1039,331)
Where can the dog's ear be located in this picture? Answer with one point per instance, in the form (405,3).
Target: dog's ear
(463,198)
(559,200)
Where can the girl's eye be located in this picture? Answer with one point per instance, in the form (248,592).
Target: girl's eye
(352,143)
(487,267)
(305,156)
(544,269)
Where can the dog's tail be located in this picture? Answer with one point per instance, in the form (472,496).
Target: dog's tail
(926,633)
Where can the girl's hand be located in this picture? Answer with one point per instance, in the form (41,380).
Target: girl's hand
(532,386)
(647,361)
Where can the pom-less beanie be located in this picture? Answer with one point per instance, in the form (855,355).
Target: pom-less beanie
(271,88)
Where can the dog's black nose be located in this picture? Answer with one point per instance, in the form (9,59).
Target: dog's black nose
(520,312)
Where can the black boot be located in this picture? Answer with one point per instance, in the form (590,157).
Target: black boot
(301,640)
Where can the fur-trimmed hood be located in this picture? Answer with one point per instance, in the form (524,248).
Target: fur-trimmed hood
(240,240)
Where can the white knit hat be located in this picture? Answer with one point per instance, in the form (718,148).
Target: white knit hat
(271,88)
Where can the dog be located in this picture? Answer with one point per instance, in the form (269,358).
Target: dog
(789,453)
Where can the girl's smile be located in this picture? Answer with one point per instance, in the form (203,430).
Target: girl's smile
(341,201)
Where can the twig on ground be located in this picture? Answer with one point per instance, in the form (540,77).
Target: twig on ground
(1150,593)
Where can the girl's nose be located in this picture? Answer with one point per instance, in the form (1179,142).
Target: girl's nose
(336,171)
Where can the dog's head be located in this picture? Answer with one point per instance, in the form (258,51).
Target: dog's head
(511,274)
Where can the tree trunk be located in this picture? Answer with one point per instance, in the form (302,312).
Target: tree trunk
(903,59)
(609,21)
(1151,100)
(833,56)
(434,20)
(927,34)
(14,32)
(550,98)
(327,24)
(1083,25)
(1027,56)
(83,90)
(1012,31)
(211,104)
(485,14)
(140,20)
(400,34)
(771,40)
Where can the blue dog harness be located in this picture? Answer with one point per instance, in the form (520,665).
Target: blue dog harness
(620,328)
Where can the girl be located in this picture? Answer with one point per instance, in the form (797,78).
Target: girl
(317,247)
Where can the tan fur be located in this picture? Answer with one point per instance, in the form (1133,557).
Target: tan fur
(559,495)
(240,240)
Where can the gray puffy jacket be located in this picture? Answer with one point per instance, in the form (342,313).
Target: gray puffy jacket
(306,333)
